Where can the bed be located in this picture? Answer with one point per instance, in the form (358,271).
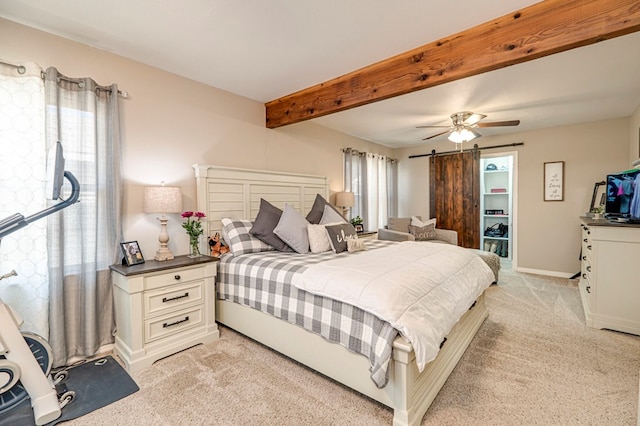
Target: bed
(228,192)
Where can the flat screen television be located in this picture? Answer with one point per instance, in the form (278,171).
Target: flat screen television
(623,195)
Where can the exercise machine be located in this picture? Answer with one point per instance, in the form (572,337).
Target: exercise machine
(26,358)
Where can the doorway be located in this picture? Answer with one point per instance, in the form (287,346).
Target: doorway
(498,205)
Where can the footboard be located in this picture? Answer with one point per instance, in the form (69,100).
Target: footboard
(408,392)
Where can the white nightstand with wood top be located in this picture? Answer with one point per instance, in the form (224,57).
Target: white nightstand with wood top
(163,307)
(368,235)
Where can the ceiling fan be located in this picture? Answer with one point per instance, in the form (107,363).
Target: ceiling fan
(464,123)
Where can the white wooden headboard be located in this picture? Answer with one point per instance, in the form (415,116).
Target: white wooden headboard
(235,193)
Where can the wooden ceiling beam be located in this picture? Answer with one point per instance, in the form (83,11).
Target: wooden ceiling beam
(542,29)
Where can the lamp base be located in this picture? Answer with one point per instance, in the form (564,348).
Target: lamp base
(163,254)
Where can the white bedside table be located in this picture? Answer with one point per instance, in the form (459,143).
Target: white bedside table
(163,308)
(368,235)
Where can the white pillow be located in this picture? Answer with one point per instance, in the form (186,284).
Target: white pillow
(292,229)
(417,222)
(331,216)
(318,239)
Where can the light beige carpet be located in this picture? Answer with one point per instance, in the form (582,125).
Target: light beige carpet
(533,362)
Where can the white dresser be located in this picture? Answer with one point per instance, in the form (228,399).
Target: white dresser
(610,275)
(163,307)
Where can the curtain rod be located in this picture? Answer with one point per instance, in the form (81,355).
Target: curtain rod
(356,152)
(433,152)
(80,84)
(20,68)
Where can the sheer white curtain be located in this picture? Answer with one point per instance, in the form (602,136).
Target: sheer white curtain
(23,158)
(373,180)
(83,239)
(377,191)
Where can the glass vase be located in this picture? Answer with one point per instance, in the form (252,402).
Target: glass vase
(194,246)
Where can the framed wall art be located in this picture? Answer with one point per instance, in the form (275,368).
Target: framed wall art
(554,181)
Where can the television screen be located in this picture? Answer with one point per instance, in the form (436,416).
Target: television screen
(623,194)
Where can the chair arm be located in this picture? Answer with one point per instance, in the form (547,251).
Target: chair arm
(389,235)
(447,235)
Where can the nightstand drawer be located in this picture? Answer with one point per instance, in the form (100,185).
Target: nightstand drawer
(174,277)
(172,298)
(164,326)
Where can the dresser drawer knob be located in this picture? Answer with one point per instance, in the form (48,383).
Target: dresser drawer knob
(584,276)
(589,247)
(584,257)
(588,288)
(589,268)
(585,240)
(169,299)
(171,324)
(177,277)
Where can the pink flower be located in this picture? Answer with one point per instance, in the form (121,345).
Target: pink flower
(187,214)
(199,214)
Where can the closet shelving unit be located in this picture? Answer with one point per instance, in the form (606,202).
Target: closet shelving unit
(496,189)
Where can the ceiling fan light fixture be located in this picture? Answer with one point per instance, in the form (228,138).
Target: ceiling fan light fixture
(463,134)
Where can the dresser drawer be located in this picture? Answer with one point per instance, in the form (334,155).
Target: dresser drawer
(173,298)
(175,277)
(157,328)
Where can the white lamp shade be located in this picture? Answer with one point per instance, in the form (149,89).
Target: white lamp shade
(345,199)
(162,199)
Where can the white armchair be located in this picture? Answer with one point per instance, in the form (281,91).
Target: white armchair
(397,229)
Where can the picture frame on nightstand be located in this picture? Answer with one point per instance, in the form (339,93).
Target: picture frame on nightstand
(132,253)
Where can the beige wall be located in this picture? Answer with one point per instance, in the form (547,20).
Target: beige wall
(170,123)
(547,234)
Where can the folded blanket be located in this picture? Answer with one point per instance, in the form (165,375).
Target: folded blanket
(421,289)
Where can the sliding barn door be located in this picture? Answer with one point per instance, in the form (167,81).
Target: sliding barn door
(455,195)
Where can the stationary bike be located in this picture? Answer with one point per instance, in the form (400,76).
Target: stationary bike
(26,358)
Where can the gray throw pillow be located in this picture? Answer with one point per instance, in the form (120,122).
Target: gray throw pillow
(267,219)
(331,216)
(339,234)
(423,233)
(292,229)
(317,210)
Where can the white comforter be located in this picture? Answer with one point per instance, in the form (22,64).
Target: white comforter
(422,289)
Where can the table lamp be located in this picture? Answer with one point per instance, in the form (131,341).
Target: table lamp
(345,200)
(163,199)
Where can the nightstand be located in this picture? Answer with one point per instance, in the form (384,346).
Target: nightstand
(163,307)
(368,235)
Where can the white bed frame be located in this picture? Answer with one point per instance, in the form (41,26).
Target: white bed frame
(228,192)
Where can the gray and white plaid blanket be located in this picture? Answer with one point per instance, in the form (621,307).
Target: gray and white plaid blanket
(263,281)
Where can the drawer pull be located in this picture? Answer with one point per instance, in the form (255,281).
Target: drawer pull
(588,288)
(584,257)
(176,277)
(169,299)
(166,325)
(585,240)
(588,247)
(589,268)
(584,276)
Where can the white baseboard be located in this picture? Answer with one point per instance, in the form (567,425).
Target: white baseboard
(544,272)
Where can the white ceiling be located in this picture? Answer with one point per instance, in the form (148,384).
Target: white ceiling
(264,50)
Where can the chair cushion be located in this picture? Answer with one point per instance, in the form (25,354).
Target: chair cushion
(400,224)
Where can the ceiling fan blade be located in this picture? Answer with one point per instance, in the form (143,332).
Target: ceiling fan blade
(427,127)
(435,136)
(473,119)
(499,123)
